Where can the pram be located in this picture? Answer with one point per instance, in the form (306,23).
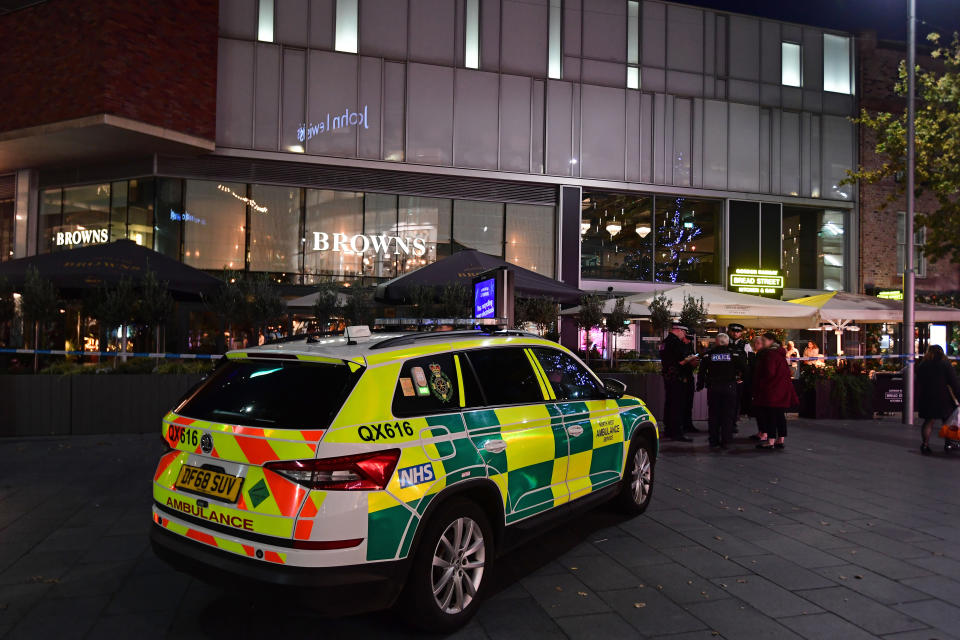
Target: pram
(950,432)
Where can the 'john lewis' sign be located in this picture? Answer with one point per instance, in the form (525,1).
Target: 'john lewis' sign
(309,130)
(361,243)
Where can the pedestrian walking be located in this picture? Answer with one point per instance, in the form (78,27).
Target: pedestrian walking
(937,392)
(721,368)
(677,365)
(773,393)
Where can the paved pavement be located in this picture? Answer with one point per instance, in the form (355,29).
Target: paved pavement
(849,533)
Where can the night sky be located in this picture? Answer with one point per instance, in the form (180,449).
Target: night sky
(887,17)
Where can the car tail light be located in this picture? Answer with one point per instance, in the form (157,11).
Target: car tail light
(369,471)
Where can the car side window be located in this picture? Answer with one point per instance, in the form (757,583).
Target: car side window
(570,379)
(427,385)
(506,376)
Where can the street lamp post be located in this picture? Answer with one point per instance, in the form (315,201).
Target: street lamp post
(908,267)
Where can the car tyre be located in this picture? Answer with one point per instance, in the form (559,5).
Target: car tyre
(450,569)
(637,485)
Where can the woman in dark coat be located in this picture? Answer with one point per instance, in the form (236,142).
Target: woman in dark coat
(935,380)
(773,392)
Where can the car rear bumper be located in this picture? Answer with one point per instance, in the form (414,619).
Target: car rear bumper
(331,590)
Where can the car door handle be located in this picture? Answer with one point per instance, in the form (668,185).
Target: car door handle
(495,446)
(575,430)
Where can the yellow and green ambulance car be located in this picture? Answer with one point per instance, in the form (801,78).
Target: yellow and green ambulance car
(391,469)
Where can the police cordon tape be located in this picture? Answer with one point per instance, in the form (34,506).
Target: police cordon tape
(115,354)
(216,356)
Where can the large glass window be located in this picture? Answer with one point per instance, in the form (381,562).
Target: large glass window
(329,213)
(118,210)
(478,225)
(814,248)
(617,238)
(140,221)
(530,239)
(426,221)
(687,234)
(380,223)
(51,216)
(265,21)
(170,218)
(790,74)
(275,229)
(836,63)
(216,238)
(430,385)
(86,216)
(755,230)
(919,238)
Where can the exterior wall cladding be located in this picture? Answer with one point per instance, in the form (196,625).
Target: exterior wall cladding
(154,62)
(711,112)
(878,218)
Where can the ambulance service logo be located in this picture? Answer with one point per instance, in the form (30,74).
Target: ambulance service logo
(417,474)
(440,384)
(206,443)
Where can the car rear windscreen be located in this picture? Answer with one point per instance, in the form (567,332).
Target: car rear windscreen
(279,394)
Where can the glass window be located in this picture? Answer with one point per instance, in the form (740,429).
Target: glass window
(617,239)
(530,241)
(554,54)
(633,44)
(429,385)
(275,231)
(214,237)
(478,225)
(814,248)
(265,22)
(118,210)
(790,74)
(7,229)
(380,223)
(919,238)
(744,238)
(836,63)
(140,212)
(86,216)
(51,217)
(257,392)
(471,58)
(346,35)
(687,240)
(506,376)
(570,379)
(423,222)
(329,213)
(169,218)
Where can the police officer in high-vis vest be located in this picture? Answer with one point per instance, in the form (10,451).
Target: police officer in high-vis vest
(720,369)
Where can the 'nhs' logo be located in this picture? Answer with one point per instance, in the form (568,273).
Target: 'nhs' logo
(415,475)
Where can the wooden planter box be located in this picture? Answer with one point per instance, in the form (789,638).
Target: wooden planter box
(819,403)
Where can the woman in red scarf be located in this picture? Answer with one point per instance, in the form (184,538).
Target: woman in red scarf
(773,393)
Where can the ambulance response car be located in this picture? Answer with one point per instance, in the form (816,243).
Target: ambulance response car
(378,470)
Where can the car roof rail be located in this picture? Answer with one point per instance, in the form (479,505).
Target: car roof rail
(410,338)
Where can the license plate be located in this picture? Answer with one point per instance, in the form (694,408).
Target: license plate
(208,482)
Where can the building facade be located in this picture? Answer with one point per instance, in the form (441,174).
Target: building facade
(605,143)
(882,251)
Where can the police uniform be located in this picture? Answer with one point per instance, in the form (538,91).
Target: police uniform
(720,369)
(677,377)
(689,387)
(743,387)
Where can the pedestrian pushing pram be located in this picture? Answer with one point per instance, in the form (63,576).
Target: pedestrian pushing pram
(950,431)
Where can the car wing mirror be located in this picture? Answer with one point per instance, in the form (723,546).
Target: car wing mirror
(614,388)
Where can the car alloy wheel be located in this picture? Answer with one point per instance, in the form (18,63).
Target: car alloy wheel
(641,475)
(458,563)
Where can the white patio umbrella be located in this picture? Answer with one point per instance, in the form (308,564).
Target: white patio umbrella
(723,306)
(840,309)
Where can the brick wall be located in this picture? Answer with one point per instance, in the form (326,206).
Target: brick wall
(877,74)
(155,62)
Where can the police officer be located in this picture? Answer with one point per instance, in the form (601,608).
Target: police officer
(677,365)
(720,369)
(740,344)
(689,391)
